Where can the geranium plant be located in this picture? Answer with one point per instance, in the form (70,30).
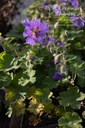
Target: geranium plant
(42,66)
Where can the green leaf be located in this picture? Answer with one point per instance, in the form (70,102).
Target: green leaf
(27,77)
(74,34)
(50,83)
(83,114)
(81,82)
(79,45)
(70,120)
(5,61)
(5,79)
(16,77)
(63,20)
(43,95)
(31,91)
(70,97)
(76,65)
(15,94)
(82,96)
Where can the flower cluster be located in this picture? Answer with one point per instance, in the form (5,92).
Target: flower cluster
(35,30)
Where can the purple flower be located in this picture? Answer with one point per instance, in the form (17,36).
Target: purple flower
(56,9)
(59,44)
(57,76)
(35,31)
(74,3)
(45,5)
(63,2)
(77,21)
(50,40)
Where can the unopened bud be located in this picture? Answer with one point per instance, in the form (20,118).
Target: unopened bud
(56,25)
(63,70)
(57,58)
(28,56)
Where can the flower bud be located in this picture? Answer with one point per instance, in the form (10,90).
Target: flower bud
(56,59)
(63,70)
(56,25)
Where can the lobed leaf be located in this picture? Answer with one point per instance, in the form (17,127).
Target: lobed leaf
(70,120)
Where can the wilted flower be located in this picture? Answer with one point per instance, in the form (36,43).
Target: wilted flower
(56,9)
(59,44)
(35,31)
(74,3)
(77,21)
(50,40)
(57,76)
(45,5)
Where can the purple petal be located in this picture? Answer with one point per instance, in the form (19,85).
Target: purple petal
(57,11)
(59,44)
(55,61)
(43,35)
(74,3)
(26,23)
(73,18)
(51,38)
(43,27)
(45,5)
(40,39)
(55,6)
(35,23)
(63,2)
(27,32)
(77,21)
(81,24)
(57,76)
(30,41)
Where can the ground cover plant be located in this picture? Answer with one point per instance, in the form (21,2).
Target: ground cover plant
(42,66)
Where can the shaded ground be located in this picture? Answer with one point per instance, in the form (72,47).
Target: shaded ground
(4,121)
(21,17)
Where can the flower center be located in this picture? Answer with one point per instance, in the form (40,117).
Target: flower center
(34,31)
